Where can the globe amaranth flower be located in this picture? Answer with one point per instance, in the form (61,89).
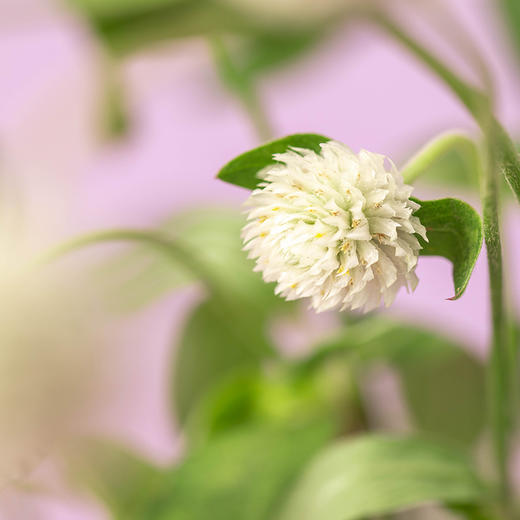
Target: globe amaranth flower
(334,227)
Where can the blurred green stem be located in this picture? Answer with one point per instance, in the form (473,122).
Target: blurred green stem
(242,84)
(500,155)
(163,244)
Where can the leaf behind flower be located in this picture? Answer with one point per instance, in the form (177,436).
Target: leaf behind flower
(243,170)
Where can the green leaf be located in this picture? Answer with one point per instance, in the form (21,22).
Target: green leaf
(241,475)
(121,479)
(454,231)
(443,384)
(126,27)
(218,339)
(377,475)
(243,170)
(279,395)
(451,158)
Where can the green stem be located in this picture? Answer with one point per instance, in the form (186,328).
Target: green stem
(443,144)
(475,100)
(499,366)
(500,156)
(165,245)
(242,84)
(173,250)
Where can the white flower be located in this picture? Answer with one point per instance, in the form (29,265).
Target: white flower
(334,227)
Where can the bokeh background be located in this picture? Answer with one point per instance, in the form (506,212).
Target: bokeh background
(88,142)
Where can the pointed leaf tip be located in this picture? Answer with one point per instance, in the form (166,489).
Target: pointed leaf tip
(243,170)
(454,231)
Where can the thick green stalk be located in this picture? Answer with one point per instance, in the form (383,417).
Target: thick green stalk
(499,364)
(501,156)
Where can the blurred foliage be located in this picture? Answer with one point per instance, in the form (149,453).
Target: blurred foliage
(259,426)
(241,62)
(251,436)
(244,47)
(280,394)
(215,342)
(212,236)
(451,159)
(127,27)
(226,360)
(253,419)
(114,110)
(375,475)
(511,10)
(244,474)
(443,384)
(124,481)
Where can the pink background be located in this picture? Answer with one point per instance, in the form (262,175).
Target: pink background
(358,87)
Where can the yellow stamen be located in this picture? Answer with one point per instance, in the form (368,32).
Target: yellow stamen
(318,235)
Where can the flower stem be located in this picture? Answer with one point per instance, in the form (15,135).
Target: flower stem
(499,400)
(499,157)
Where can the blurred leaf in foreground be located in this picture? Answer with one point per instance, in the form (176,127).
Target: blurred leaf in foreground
(121,479)
(279,394)
(217,340)
(511,10)
(244,474)
(443,384)
(377,475)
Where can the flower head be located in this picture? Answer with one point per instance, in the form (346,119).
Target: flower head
(334,227)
